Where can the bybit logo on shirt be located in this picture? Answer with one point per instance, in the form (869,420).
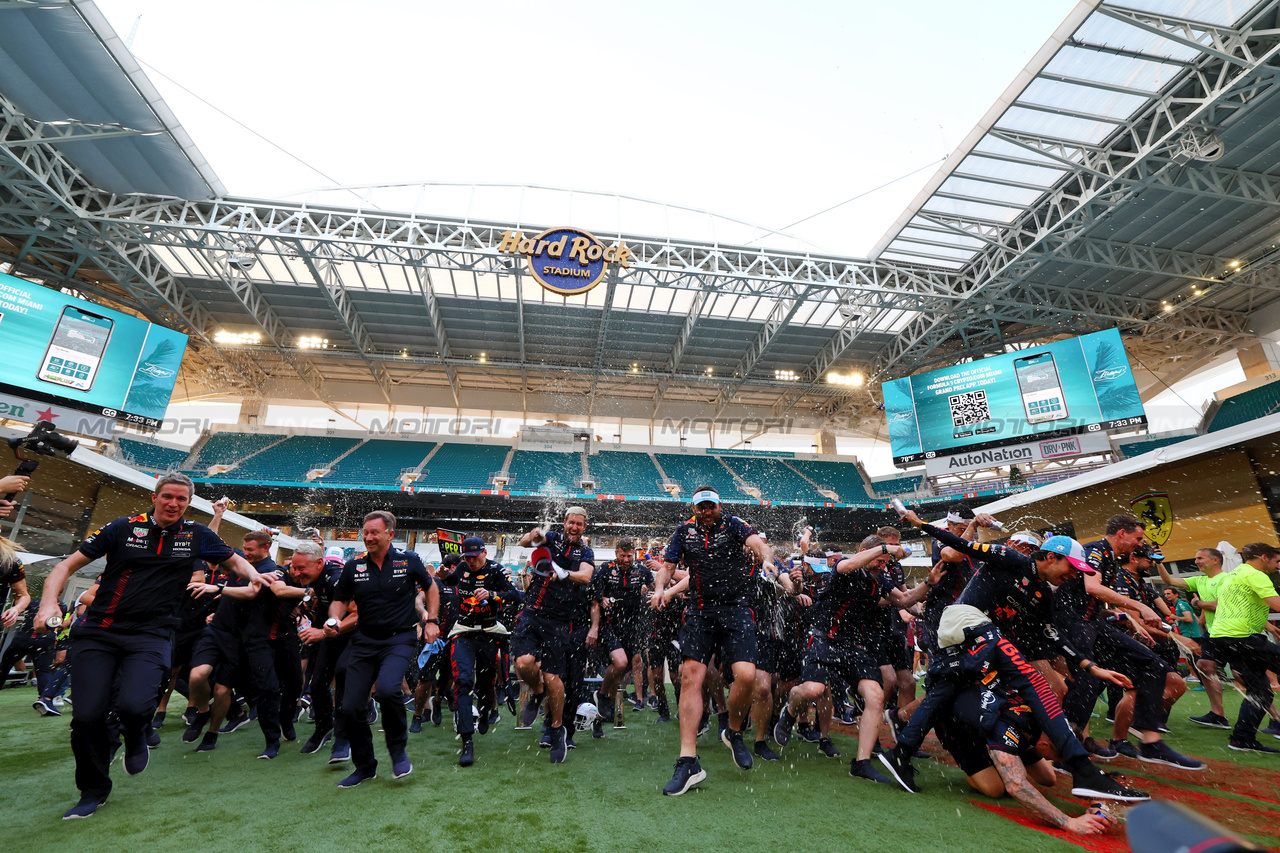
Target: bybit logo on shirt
(567,261)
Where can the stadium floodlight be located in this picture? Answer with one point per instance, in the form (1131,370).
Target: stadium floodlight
(852,379)
(237,338)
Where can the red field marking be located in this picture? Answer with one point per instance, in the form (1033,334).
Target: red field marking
(1112,842)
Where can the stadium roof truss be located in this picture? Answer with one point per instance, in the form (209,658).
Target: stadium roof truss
(1130,177)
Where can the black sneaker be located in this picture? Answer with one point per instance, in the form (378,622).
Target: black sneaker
(782,731)
(530,711)
(196,726)
(208,743)
(341,752)
(482,720)
(371,714)
(468,755)
(136,759)
(637,706)
(597,729)
(899,766)
(688,773)
(356,778)
(722,721)
(1097,750)
(288,732)
(808,733)
(157,722)
(1273,729)
(415,725)
(862,769)
(764,753)
(568,738)
(704,724)
(741,755)
(153,739)
(235,724)
(895,723)
(494,718)
(512,696)
(84,808)
(1159,752)
(545,741)
(270,751)
(401,766)
(664,717)
(1251,745)
(1211,720)
(827,748)
(316,742)
(1124,747)
(605,708)
(189,715)
(437,714)
(1103,787)
(559,745)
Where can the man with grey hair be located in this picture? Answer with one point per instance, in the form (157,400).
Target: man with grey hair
(126,637)
(563,565)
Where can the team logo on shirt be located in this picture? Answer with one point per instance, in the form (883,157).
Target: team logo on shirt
(140,531)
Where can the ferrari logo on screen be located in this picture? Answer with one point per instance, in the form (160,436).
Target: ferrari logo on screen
(1153,510)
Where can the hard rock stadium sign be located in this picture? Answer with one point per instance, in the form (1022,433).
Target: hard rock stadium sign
(567,261)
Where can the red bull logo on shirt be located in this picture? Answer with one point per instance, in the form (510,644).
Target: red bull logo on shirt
(567,261)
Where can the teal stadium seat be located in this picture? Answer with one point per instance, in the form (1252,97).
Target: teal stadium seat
(152,457)
(898,486)
(841,477)
(290,461)
(1137,448)
(545,472)
(463,466)
(378,462)
(693,471)
(619,472)
(774,479)
(1257,403)
(226,448)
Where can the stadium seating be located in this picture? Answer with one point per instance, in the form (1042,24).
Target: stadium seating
(898,486)
(693,471)
(153,457)
(378,462)
(1136,448)
(774,479)
(226,448)
(548,473)
(290,461)
(841,477)
(624,473)
(463,466)
(1256,403)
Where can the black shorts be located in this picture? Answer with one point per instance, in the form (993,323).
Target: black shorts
(613,638)
(825,661)
(895,646)
(727,632)
(969,748)
(1206,650)
(220,650)
(546,639)
(184,644)
(790,659)
(768,653)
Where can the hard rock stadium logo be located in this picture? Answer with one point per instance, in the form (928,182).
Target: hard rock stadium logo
(567,261)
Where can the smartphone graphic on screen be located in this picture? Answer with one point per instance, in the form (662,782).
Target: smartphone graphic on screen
(75,351)
(1041,388)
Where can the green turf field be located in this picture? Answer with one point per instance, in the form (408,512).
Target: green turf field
(606,797)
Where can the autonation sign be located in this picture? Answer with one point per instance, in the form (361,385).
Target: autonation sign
(567,261)
(1064,447)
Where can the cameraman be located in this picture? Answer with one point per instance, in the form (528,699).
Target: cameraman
(9,485)
(127,630)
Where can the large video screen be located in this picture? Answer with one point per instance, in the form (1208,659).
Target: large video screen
(62,350)
(1073,386)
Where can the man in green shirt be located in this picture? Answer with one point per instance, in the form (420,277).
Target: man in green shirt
(1204,588)
(1239,638)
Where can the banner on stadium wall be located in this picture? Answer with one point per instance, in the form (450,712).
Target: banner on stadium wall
(71,353)
(1154,510)
(548,439)
(1017,454)
(450,541)
(1067,388)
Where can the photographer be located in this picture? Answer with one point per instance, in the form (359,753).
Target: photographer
(127,630)
(9,485)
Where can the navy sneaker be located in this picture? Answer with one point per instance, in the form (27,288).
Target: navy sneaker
(1159,752)
(270,751)
(356,778)
(764,753)
(196,726)
(494,718)
(899,766)
(722,720)
(415,725)
(136,759)
(808,733)
(288,732)
(605,708)
(688,773)
(545,741)
(1242,745)
(316,742)
(862,769)
(1124,747)
(153,739)
(437,714)
(895,723)
(1273,729)
(157,722)
(782,731)
(372,714)
(341,752)
(84,808)
(530,711)
(45,708)
(468,755)
(597,729)
(401,766)
(559,745)
(741,755)
(1097,750)
(235,724)
(208,743)
(568,738)
(827,748)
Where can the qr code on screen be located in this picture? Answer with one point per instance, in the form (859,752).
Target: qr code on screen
(969,408)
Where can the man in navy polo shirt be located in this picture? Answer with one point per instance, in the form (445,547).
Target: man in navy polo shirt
(717,621)
(563,565)
(382,584)
(127,631)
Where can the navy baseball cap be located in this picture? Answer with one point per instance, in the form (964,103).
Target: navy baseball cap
(472,545)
